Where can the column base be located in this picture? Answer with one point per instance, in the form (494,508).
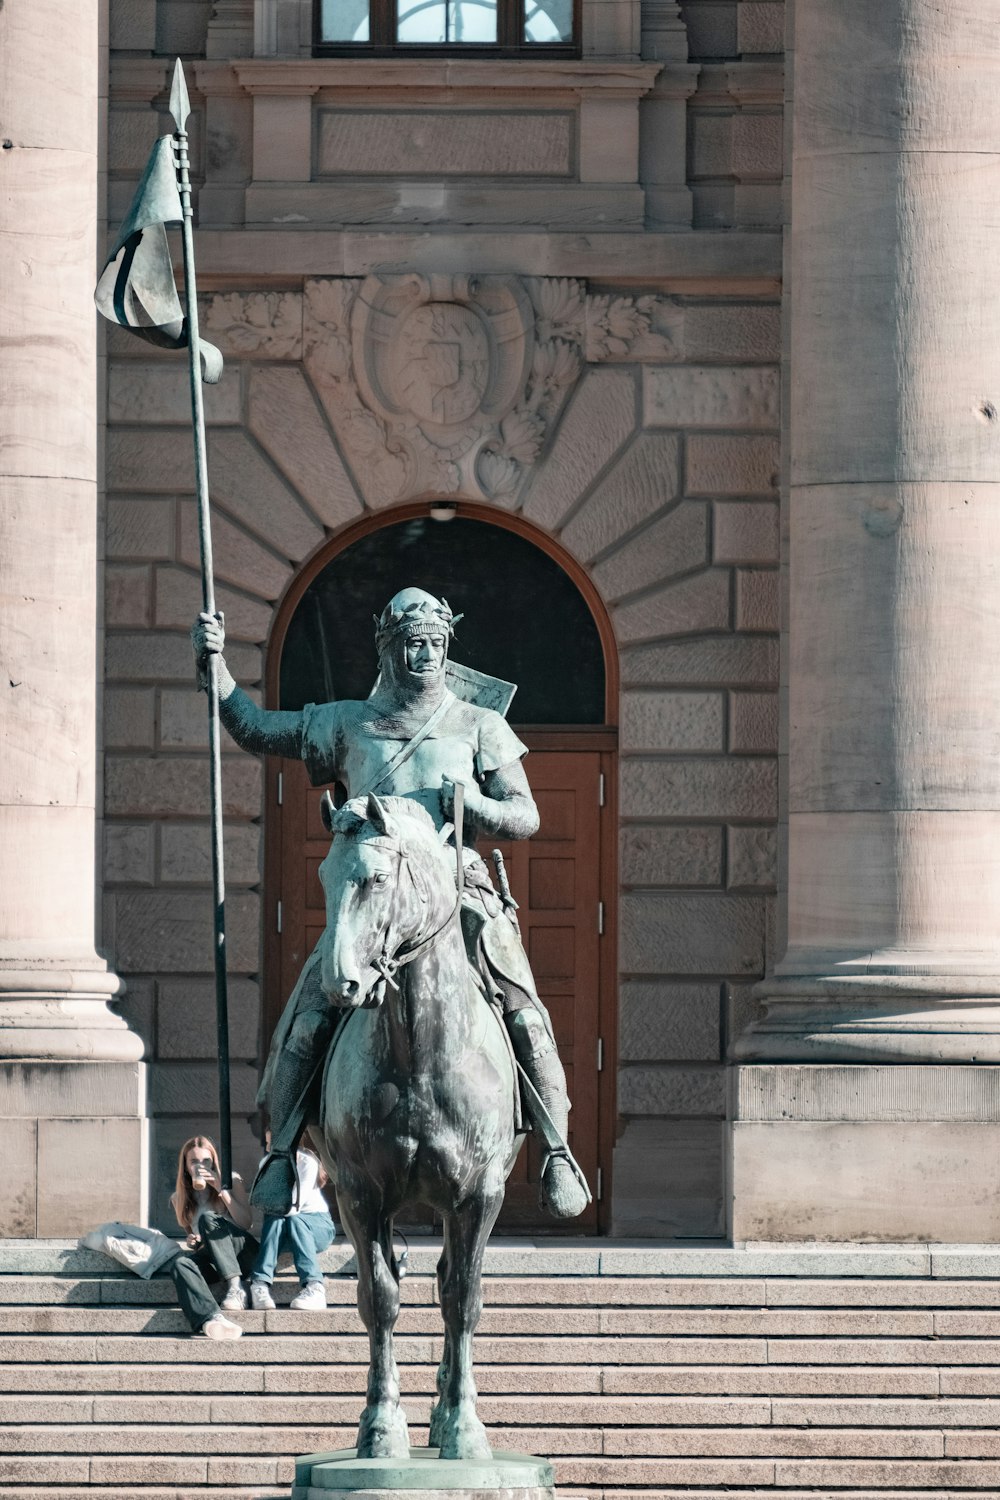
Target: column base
(74,1138)
(890,1153)
(56,1009)
(865,1015)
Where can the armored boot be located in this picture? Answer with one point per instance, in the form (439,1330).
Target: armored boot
(289,1098)
(563,1190)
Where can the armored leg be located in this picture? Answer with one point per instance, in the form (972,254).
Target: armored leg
(562,1190)
(288,1100)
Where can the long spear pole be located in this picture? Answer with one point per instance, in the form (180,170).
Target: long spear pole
(180,108)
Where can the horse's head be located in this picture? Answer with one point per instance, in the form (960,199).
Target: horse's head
(379,880)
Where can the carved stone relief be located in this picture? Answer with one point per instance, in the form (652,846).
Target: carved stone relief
(265,323)
(451,384)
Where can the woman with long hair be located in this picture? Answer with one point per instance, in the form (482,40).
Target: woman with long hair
(220,1247)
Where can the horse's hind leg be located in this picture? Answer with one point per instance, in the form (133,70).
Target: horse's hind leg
(455,1427)
(382,1432)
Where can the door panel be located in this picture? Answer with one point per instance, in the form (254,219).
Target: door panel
(555,878)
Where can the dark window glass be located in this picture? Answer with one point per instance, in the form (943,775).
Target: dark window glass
(524,620)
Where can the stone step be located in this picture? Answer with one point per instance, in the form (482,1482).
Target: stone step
(546,1380)
(257,1347)
(590,1473)
(563,1256)
(272,1492)
(625,1443)
(290,1411)
(551,1291)
(168,1440)
(524,1322)
(633,1413)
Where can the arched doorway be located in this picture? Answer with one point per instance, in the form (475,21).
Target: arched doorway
(532,616)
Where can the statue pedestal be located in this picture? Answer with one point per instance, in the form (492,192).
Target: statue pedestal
(512,1476)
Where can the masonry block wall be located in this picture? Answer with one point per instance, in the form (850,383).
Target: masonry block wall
(658,469)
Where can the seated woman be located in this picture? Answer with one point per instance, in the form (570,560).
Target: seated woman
(220,1245)
(305,1231)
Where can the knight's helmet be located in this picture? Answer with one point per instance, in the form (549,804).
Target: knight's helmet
(414,612)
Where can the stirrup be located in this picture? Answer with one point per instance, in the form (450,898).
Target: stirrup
(271,1166)
(563,1153)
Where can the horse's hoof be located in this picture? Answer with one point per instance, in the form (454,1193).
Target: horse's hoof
(458,1434)
(562,1193)
(383,1433)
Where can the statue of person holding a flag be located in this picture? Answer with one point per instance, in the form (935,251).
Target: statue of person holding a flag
(412,738)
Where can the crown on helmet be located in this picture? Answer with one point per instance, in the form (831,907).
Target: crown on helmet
(413,613)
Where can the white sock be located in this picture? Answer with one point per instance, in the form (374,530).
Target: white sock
(231,1282)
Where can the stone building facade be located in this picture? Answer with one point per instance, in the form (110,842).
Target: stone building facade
(638,368)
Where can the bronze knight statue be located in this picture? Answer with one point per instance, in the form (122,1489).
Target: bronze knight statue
(415,739)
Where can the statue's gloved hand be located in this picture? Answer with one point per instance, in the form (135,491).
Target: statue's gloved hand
(208,637)
(480,814)
(473,797)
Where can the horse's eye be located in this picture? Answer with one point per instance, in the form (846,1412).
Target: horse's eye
(380,879)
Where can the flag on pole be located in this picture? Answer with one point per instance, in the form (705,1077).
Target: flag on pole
(137,288)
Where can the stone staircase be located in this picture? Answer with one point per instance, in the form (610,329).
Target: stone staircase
(699,1370)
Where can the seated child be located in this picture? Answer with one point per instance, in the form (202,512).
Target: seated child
(305,1231)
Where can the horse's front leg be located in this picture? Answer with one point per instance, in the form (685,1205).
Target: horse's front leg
(455,1427)
(382,1432)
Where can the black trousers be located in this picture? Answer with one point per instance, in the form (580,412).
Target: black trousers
(226,1250)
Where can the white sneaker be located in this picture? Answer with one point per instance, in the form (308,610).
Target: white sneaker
(235,1299)
(260,1296)
(312,1298)
(220,1328)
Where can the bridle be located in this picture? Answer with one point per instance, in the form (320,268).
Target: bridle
(388,965)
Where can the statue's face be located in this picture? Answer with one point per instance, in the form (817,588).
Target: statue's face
(425,654)
(415,664)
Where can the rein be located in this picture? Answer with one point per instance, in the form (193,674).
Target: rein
(388,966)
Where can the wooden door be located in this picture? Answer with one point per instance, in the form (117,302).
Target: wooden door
(556,878)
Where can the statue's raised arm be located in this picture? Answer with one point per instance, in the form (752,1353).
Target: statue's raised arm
(262,731)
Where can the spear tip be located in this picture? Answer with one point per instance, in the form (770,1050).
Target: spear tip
(180,104)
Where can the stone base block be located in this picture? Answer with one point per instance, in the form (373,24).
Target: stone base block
(505,1476)
(865,1153)
(74,1139)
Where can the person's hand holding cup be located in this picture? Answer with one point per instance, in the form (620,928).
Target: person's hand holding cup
(202,1174)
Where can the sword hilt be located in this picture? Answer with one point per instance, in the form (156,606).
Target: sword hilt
(503,882)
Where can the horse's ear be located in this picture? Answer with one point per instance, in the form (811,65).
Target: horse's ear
(327,811)
(377,815)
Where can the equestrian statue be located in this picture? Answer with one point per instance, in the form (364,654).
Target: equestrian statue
(414,1042)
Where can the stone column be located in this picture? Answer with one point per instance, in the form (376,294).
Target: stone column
(663,115)
(71,1101)
(893,716)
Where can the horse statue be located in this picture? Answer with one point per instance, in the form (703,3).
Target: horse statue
(418,1102)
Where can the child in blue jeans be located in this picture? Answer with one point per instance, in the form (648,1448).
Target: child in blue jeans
(305,1231)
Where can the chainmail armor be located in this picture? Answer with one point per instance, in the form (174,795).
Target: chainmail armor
(261,731)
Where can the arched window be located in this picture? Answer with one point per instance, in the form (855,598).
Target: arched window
(525,619)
